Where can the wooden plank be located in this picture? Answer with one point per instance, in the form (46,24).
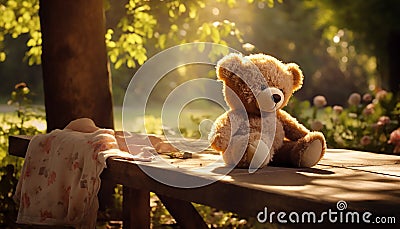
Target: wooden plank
(183,212)
(280,189)
(381,169)
(340,176)
(136,208)
(351,158)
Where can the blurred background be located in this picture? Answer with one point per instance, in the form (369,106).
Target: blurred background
(341,46)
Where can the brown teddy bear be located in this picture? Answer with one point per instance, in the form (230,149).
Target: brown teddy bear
(256,131)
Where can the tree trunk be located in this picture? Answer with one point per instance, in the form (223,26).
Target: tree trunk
(74,60)
(394,60)
(76,77)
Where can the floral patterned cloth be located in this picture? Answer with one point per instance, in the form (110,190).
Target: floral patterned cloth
(60,178)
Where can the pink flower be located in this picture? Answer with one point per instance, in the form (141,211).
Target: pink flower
(381,94)
(28,170)
(369,109)
(365,140)
(65,195)
(383,120)
(317,125)
(338,109)
(354,99)
(45,215)
(367,97)
(319,101)
(75,165)
(46,144)
(25,200)
(395,140)
(52,178)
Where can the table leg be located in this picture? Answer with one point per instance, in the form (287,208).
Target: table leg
(136,208)
(183,212)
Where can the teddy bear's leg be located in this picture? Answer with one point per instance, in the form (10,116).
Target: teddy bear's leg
(309,150)
(235,150)
(305,152)
(247,152)
(257,154)
(283,156)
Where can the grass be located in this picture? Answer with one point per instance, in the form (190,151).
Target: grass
(187,118)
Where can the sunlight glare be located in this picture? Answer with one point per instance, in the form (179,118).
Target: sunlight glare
(40,125)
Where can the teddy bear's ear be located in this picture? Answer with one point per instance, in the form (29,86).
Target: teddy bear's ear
(227,65)
(297,75)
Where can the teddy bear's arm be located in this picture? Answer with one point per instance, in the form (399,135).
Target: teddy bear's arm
(292,128)
(226,128)
(219,136)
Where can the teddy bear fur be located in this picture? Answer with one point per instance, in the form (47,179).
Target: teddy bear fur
(256,131)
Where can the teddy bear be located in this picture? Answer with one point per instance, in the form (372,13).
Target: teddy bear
(255,131)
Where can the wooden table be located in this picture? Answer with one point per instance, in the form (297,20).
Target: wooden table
(367,182)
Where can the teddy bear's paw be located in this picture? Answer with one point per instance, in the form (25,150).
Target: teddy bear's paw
(312,154)
(258,154)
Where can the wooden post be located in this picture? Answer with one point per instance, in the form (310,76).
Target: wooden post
(74,60)
(136,208)
(76,77)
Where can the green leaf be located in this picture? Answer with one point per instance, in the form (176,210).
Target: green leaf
(206,28)
(192,12)
(134,38)
(201,47)
(2,56)
(161,41)
(174,28)
(215,35)
(113,58)
(232,3)
(130,63)
(31,43)
(118,63)
(182,8)
(111,44)
(171,13)
(141,56)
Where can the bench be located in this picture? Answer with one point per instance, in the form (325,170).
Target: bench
(344,181)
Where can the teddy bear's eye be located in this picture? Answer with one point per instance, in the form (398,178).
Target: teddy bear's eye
(263,87)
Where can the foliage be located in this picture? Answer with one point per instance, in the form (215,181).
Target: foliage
(365,124)
(19,17)
(148,24)
(21,122)
(323,61)
(156,23)
(373,23)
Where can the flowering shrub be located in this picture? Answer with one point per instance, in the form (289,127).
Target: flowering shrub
(368,122)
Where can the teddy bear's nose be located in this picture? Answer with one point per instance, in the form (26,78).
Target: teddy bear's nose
(276,98)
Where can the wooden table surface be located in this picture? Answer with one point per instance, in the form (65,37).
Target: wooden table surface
(367,182)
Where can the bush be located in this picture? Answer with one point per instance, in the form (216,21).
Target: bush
(20,122)
(369,122)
